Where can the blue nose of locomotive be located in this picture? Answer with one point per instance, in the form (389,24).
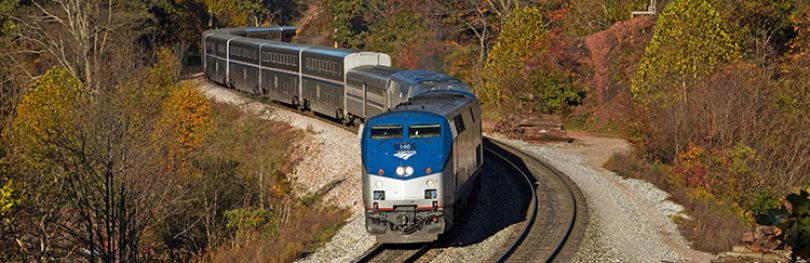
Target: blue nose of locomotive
(405,145)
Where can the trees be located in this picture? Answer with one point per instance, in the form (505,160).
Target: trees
(518,42)
(187,118)
(763,27)
(76,35)
(690,40)
(589,16)
(88,178)
(350,23)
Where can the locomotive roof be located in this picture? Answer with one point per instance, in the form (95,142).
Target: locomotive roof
(443,102)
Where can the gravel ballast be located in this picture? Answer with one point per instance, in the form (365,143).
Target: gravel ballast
(630,220)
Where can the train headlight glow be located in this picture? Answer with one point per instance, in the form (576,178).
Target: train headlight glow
(378,184)
(409,170)
(430,182)
(400,171)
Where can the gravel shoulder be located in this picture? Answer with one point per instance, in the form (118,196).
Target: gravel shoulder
(629,220)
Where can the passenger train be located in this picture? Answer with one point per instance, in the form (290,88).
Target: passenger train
(420,130)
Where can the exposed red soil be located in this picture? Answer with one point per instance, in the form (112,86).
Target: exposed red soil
(615,54)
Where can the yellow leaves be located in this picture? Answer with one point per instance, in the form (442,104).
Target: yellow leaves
(229,12)
(690,41)
(517,43)
(7,200)
(186,118)
(45,112)
(163,74)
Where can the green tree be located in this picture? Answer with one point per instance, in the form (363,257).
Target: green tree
(518,42)
(764,26)
(395,32)
(6,6)
(690,40)
(350,21)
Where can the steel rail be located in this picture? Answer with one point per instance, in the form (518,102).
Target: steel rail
(572,217)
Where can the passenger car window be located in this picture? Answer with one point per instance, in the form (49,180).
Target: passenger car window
(386,132)
(424,131)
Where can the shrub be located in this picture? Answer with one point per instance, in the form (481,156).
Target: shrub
(552,91)
(712,224)
(7,198)
(796,227)
(244,221)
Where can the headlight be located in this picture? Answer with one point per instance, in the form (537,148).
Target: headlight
(378,184)
(400,171)
(409,170)
(430,182)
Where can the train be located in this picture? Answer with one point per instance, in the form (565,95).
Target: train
(420,131)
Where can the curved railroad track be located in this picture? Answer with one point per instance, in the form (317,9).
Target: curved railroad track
(555,229)
(554,221)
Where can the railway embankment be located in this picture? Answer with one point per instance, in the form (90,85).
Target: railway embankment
(328,166)
(629,220)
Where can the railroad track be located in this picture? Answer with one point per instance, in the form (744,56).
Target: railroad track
(555,215)
(394,253)
(555,222)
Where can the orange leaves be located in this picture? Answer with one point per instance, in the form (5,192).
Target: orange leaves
(800,45)
(186,118)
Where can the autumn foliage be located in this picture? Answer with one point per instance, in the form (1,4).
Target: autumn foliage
(186,119)
(46,113)
(517,43)
(690,40)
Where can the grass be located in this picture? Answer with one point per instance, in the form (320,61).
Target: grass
(583,123)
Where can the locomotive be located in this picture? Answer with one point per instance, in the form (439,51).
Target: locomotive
(421,160)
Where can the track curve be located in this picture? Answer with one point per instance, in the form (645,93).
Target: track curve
(561,216)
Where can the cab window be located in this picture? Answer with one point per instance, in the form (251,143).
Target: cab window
(424,131)
(386,131)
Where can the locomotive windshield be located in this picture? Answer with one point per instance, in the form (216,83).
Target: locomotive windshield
(424,131)
(386,131)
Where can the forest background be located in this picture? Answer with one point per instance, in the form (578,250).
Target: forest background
(107,155)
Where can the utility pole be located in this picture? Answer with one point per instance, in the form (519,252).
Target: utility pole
(651,10)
